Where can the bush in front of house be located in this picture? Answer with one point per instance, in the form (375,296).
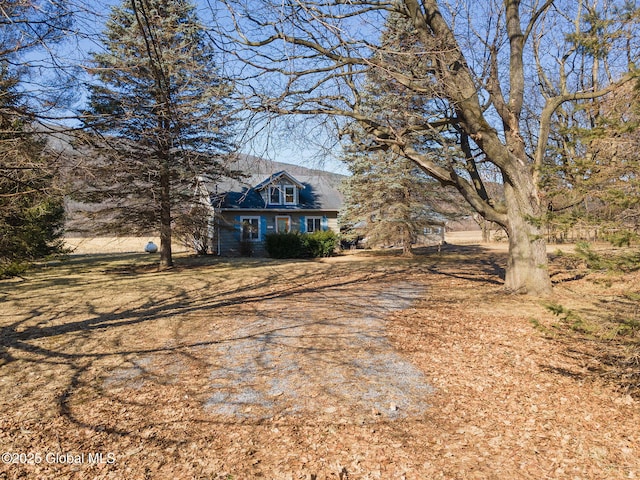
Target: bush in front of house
(300,245)
(284,245)
(321,244)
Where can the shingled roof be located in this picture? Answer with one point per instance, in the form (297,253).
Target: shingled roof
(318,188)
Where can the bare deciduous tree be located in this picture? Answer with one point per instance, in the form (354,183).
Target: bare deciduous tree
(497,71)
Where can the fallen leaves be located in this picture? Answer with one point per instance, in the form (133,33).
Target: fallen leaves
(509,400)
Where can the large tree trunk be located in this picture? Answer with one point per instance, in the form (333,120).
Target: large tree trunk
(527,265)
(407,241)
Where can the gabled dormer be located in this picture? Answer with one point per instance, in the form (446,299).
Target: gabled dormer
(280,189)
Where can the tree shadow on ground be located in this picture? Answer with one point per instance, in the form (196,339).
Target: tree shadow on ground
(466,262)
(614,361)
(83,342)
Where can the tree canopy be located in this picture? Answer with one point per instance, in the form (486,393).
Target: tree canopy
(388,198)
(389,201)
(518,91)
(31,198)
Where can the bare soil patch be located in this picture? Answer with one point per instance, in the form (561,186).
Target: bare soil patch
(357,367)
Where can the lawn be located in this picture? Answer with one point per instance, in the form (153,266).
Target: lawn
(361,366)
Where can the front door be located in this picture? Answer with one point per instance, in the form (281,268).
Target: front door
(283,224)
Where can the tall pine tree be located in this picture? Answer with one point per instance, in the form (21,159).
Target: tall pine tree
(388,196)
(160,107)
(590,174)
(31,204)
(388,199)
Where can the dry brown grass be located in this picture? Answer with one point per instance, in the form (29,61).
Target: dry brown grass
(101,245)
(105,354)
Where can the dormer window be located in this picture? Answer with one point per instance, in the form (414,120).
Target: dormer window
(280,189)
(274,196)
(283,195)
(289,195)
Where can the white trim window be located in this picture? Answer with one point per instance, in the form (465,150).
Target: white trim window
(289,194)
(283,195)
(250,228)
(314,224)
(283,224)
(275,195)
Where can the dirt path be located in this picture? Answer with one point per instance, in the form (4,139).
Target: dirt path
(337,365)
(341,366)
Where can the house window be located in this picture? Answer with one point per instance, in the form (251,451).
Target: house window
(289,195)
(314,224)
(283,224)
(250,228)
(274,195)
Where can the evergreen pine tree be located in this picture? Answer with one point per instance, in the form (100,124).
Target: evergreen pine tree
(31,201)
(595,186)
(31,207)
(590,176)
(388,197)
(161,108)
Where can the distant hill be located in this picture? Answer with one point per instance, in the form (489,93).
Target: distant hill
(75,167)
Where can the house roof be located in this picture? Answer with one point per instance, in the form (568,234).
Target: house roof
(318,188)
(277,177)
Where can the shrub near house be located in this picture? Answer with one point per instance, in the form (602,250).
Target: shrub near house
(299,245)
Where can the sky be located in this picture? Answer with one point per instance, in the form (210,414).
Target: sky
(287,139)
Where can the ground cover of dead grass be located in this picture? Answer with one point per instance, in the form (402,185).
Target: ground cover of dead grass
(104,354)
(107,245)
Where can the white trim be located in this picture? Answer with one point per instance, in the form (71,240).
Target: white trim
(269,193)
(314,218)
(294,194)
(282,194)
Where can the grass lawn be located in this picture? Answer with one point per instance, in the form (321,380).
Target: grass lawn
(361,366)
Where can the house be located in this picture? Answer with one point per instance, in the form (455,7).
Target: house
(273,197)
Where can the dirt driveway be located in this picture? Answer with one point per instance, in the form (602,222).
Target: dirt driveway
(337,364)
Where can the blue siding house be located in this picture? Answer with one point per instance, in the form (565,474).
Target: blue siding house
(273,197)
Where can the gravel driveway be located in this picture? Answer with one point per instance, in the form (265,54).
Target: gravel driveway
(322,354)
